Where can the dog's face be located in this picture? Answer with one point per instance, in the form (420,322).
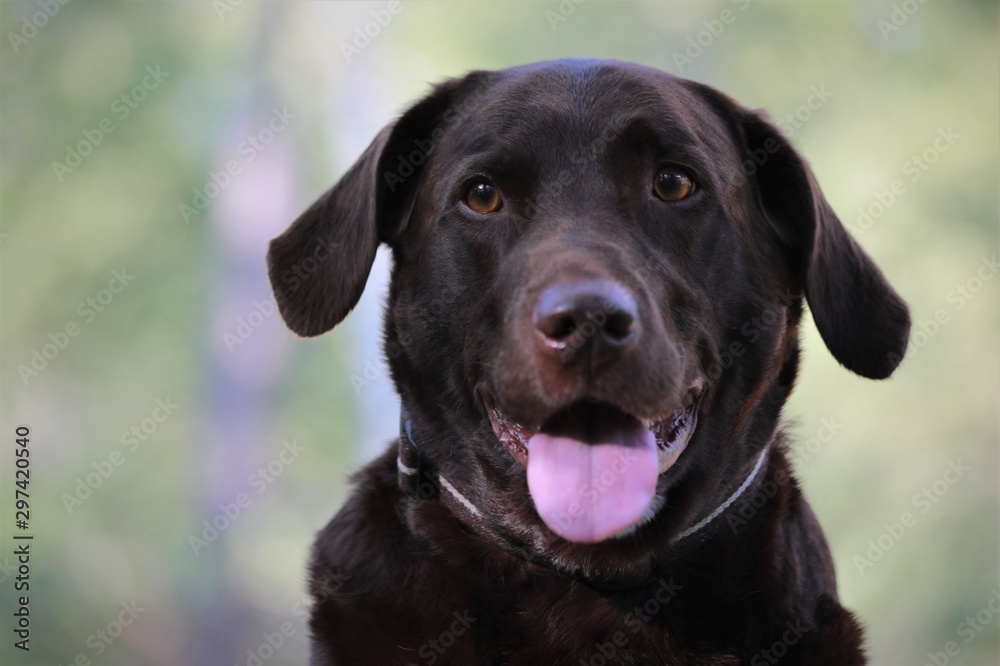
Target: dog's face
(593,311)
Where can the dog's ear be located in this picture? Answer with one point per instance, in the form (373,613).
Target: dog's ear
(862,320)
(318,267)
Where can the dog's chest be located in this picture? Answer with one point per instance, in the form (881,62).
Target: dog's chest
(554,622)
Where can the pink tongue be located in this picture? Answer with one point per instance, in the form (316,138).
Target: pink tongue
(587,492)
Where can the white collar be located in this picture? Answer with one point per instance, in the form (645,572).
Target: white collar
(406,470)
(729,502)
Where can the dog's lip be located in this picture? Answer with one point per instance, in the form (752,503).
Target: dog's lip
(673,432)
(511,434)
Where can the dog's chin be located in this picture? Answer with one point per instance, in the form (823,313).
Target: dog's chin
(593,468)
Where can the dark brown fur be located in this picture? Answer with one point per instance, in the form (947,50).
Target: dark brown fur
(404,574)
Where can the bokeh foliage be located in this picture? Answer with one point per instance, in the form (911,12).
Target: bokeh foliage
(164,336)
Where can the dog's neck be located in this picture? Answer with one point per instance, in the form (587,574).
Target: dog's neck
(421,482)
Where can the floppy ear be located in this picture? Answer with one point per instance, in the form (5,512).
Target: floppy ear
(864,323)
(318,267)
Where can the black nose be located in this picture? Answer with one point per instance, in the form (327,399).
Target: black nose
(594,319)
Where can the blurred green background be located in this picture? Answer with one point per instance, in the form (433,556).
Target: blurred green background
(151,149)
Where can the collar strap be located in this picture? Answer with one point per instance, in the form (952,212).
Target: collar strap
(417,478)
(420,481)
(697,527)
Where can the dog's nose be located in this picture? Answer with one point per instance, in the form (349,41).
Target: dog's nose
(591,319)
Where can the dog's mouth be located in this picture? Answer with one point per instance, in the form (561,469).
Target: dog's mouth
(593,468)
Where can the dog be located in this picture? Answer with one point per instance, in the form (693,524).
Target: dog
(598,278)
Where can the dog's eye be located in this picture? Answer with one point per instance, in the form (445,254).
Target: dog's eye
(483,196)
(672,184)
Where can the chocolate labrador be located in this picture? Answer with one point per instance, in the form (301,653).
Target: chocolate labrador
(593,325)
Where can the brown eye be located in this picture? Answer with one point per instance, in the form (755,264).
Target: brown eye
(483,196)
(672,184)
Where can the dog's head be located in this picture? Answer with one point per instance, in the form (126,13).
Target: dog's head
(598,276)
